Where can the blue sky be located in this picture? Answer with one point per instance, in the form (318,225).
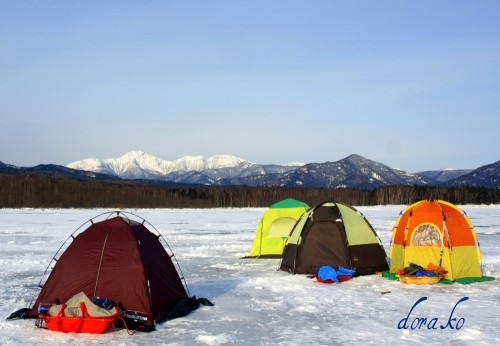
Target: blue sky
(412,84)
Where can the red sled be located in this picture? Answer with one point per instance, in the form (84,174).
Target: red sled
(82,324)
(329,281)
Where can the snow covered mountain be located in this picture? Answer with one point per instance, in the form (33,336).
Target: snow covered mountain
(353,171)
(445,175)
(485,176)
(188,169)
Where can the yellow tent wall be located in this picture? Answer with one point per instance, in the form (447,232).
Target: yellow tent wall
(275,226)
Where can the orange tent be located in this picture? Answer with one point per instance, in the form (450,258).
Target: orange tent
(437,232)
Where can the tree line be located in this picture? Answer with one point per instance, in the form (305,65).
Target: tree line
(35,191)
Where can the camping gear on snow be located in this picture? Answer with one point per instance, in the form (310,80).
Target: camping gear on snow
(420,280)
(274,227)
(328,275)
(436,231)
(119,258)
(415,274)
(79,315)
(333,234)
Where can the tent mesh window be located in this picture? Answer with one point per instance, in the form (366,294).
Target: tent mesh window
(426,235)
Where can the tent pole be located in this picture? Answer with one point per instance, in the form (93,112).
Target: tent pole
(100,263)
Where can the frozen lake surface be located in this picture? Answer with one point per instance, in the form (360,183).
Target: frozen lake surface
(255,303)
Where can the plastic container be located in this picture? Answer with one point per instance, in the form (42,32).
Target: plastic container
(83,324)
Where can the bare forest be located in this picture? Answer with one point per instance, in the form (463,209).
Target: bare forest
(46,192)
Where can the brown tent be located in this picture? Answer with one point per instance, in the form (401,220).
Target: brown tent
(333,234)
(120,259)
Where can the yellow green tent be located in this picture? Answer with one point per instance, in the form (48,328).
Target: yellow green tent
(275,226)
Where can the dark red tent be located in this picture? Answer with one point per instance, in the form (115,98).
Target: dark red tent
(120,259)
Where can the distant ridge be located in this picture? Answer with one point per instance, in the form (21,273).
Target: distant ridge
(484,176)
(188,169)
(353,171)
(446,174)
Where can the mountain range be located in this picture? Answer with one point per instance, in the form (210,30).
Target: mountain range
(188,169)
(353,171)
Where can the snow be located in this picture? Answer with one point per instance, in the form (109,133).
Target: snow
(141,161)
(294,164)
(255,303)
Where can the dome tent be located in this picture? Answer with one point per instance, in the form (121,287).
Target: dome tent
(275,226)
(117,257)
(333,234)
(437,232)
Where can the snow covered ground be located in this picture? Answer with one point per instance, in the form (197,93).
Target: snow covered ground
(255,303)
